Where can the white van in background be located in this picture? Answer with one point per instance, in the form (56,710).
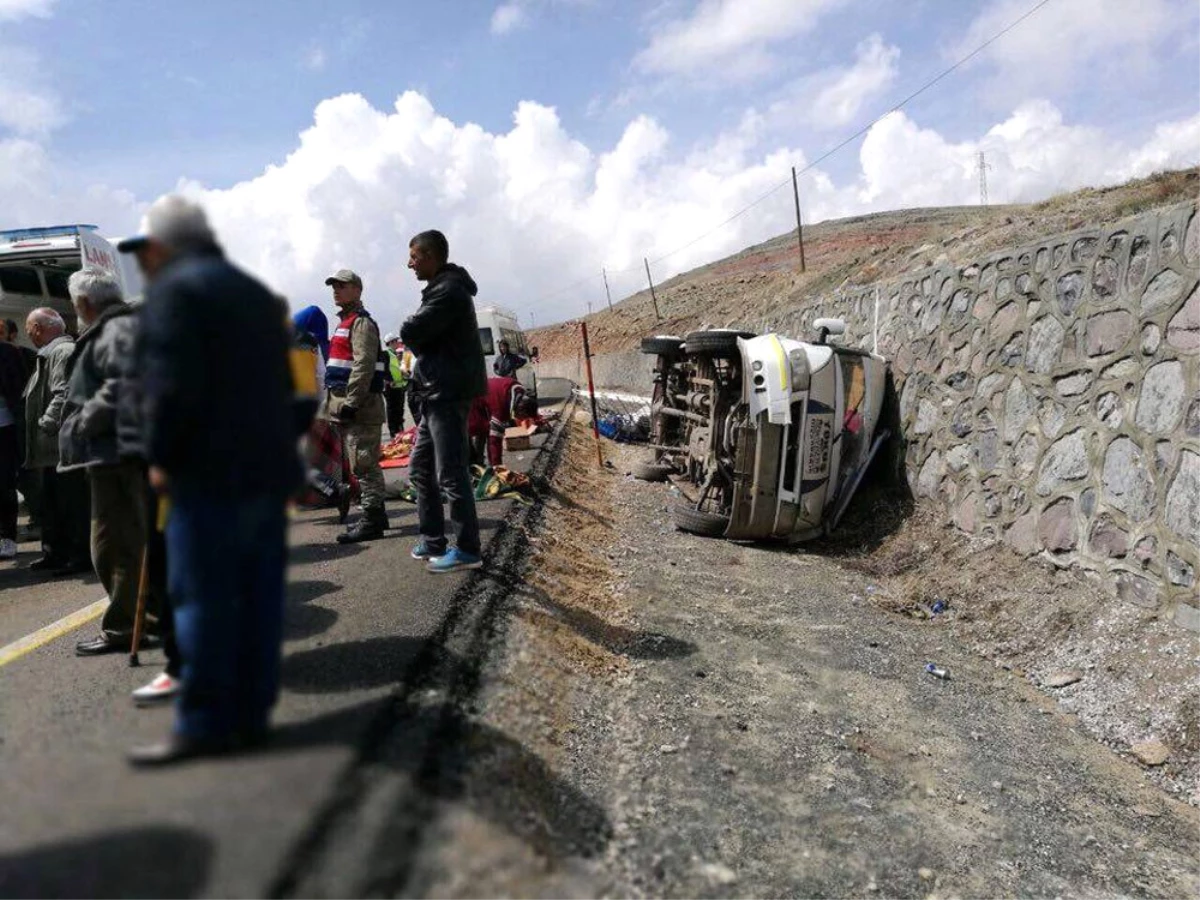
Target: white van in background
(35,264)
(496,325)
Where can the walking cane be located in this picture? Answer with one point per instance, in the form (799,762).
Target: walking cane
(139,617)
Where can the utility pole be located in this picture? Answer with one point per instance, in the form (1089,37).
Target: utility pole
(607,294)
(653,296)
(983,167)
(799,224)
(531,320)
(589,305)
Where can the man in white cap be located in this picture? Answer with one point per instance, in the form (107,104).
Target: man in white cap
(354,383)
(220,439)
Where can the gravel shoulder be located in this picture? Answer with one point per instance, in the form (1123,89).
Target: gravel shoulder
(664,715)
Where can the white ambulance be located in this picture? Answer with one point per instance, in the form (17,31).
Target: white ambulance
(496,325)
(35,264)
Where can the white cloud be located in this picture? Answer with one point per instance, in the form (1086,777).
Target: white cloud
(532,209)
(1053,49)
(27,106)
(508,17)
(734,35)
(835,98)
(12,10)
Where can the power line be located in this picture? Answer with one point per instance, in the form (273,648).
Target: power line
(832,150)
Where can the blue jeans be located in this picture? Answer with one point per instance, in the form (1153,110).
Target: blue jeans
(226,558)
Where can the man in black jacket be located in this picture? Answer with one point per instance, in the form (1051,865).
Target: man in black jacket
(443,334)
(220,440)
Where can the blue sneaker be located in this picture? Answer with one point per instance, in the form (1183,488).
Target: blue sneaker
(422,552)
(454,561)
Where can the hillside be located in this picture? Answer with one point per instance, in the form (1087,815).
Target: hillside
(859,250)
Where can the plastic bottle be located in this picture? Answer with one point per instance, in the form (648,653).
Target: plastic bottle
(937,672)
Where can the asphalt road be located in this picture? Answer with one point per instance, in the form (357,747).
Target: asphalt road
(77,821)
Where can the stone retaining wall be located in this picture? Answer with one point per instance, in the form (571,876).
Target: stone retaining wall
(1049,397)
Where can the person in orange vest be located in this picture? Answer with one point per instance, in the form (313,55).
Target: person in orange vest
(495,411)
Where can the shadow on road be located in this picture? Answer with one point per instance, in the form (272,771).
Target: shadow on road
(158,861)
(323,552)
(351,665)
(301,618)
(614,638)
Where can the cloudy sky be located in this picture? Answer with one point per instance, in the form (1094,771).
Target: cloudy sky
(551,138)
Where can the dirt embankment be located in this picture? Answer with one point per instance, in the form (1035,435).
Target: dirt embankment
(699,718)
(764,279)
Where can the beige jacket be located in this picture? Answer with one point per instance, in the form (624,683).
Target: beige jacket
(365,345)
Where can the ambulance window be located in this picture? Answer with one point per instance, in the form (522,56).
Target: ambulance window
(56,285)
(20,280)
(485,339)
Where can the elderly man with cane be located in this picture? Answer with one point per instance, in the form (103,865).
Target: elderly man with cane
(88,441)
(221,443)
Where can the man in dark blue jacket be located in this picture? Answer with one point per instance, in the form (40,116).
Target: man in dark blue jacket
(220,441)
(443,334)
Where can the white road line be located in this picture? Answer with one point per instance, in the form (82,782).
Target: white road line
(42,636)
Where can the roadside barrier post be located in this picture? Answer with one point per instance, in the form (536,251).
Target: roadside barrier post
(587,355)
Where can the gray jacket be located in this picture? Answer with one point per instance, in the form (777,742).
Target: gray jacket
(99,371)
(45,399)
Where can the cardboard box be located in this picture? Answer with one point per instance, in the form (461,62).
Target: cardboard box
(518,438)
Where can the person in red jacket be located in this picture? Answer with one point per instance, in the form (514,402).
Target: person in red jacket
(504,403)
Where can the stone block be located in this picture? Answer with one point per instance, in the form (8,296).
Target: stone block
(1083,249)
(927,415)
(1168,246)
(1019,406)
(1187,616)
(1183,331)
(1018,500)
(1183,499)
(1139,262)
(1110,409)
(1052,416)
(1122,368)
(1145,550)
(1164,457)
(1045,345)
(1191,242)
(1191,419)
(1116,241)
(1108,332)
(1127,484)
(930,475)
(985,306)
(1041,262)
(1160,402)
(989,385)
(1004,289)
(964,515)
(1074,384)
(1163,292)
(1137,590)
(1151,338)
(987,450)
(960,424)
(1004,321)
(1068,290)
(1022,534)
(1065,461)
(1179,571)
(1014,351)
(1105,275)
(1025,456)
(1024,283)
(958,458)
(1087,502)
(1106,539)
(1056,526)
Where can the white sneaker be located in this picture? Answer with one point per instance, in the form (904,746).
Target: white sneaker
(8,549)
(162,688)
